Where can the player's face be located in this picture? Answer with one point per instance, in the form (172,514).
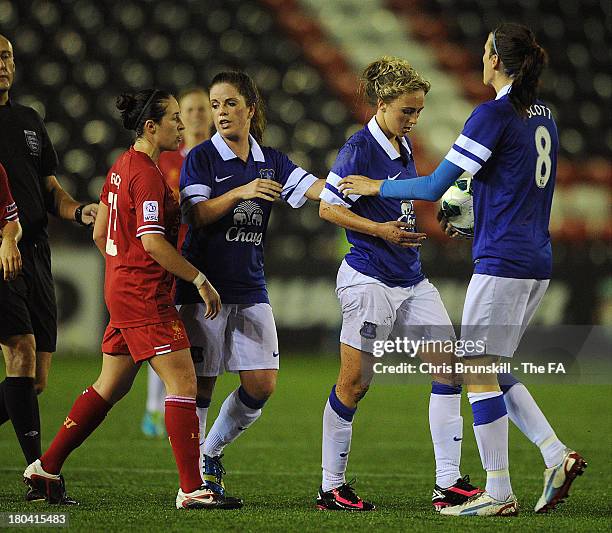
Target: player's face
(196,113)
(7,65)
(487,66)
(401,115)
(231,115)
(168,133)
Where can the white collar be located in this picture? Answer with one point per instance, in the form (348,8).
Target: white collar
(385,143)
(227,153)
(503,91)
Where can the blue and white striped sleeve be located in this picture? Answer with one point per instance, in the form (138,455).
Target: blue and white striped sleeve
(349,161)
(294,189)
(479,137)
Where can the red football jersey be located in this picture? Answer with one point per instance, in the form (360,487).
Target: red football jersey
(170,164)
(8,208)
(136,288)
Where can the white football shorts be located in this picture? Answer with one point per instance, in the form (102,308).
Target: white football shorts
(240,337)
(373,311)
(498,310)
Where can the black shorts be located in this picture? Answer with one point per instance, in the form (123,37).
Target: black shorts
(27,304)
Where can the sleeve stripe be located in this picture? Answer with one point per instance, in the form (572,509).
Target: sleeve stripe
(141,233)
(332,184)
(12,216)
(294,178)
(333,179)
(463,161)
(193,199)
(477,149)
(331,198)
(297,198)
(11,207)
(196,189)
(146,226)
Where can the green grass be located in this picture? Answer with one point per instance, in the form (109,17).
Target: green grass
(124,481)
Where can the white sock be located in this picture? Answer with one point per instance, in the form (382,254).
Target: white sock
(202,413)
(446,427)
(234,417)
(336,442)
(491,431)
(156,392)
(527,416)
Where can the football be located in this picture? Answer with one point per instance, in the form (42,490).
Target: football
(457,206)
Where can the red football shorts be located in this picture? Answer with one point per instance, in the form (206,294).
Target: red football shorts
(144,342)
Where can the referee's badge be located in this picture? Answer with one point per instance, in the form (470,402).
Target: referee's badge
(32,141)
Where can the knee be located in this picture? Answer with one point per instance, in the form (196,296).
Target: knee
(21,356)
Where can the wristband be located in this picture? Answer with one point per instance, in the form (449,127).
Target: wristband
(78,215)
(199,280)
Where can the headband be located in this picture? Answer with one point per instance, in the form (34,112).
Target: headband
(147,103)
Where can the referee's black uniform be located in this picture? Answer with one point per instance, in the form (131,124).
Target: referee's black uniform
(27,304)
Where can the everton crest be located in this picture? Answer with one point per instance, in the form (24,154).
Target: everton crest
(32,141)
(368,330)
(267,173)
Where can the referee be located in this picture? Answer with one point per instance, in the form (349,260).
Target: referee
(28,314)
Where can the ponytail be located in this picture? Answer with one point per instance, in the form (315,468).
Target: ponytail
(523,60)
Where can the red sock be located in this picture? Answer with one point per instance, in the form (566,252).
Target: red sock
(182,428)
(86,414)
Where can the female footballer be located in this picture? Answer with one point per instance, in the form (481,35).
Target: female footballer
(382,289)
(228,186)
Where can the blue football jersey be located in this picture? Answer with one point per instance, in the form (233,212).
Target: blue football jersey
(368,152)
(513,161)
(230,252)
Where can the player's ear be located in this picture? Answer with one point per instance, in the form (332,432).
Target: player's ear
(149,126)
(381,106)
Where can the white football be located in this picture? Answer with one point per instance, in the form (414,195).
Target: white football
(457,206)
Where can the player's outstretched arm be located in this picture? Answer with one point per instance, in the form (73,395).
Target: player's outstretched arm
(429,187)
(209,211)
(10,258)
(66,207)
(156,245)
(392,231)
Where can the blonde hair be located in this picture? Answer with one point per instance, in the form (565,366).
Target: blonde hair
(388,78)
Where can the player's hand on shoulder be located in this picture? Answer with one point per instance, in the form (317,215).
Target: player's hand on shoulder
(260,188)
(211,298)
(10,259)
(395,232)
(355,184)
(448,229)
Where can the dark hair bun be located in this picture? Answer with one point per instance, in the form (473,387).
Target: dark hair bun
(126,102)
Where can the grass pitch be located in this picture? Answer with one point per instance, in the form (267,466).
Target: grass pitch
(126,482)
